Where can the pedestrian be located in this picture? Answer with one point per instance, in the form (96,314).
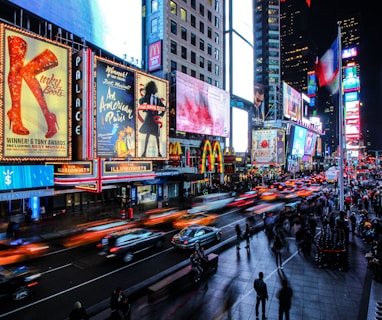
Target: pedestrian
(247,234)
(238,236)
(120,305)
(353,221)
(196,266)
(276,248)
(261,295)
(284,295)
(78,312)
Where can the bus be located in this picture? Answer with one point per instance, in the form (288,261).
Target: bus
(211,202)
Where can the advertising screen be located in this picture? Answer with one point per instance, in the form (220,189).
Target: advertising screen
(239,130)
(268,147)
(115,110)
(351,81)
(352,110)
(310,144)
(299,138)
(312,84)
(291,102)
(37,106)
(351,96)
(201,108)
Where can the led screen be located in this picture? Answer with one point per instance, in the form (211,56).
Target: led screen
(239,130)
(201,108)
(102,23)
(291,102)
(351,81)
(310,143)
(352,109)
(268,147)
(351,96)
(312,84)
(299,138)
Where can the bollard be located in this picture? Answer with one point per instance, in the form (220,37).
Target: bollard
(131,213)
(123,214)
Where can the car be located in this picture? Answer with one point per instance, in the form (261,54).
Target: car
(195,236)
(162,217)
(18,250)
(124,244)
(18,283)
(189,219)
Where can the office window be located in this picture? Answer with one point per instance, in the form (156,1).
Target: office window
(193,57)
(174,27)
(154,5)
(173,7)
(184,33)
(193,73)
(201,27)
(209,80)
(183,14)
(217,22)
(216,54)
(216,84)
(201,76)
(184,69)
(193,21)
(173,47)
(193,4)
(201,62)
(193,39)
(209,66)
(209,32)
(209,2)
(201,10)
(173,65)
(201,44)
(216,38)
(209,16)
(154,25)
(217,5)
(184,52)
(209,49)
(216,69)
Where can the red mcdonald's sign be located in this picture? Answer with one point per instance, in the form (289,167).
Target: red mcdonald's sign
(155,55)
(211,151)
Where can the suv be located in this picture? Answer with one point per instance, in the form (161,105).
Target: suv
(126,243)
(17,283)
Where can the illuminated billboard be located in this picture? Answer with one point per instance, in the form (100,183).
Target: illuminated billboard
(155,55)
(291,102)
(310,145)
(312,84)
(351,81)
(298,141)
(114,110)
(268,147)
(152,117)
(36,109)
(201,108)
(239,129)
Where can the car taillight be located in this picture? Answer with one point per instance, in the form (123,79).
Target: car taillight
(185,242)
(114,249)
(32,284)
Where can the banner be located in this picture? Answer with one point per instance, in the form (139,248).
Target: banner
(152,117)
(115,110)
(36,107)
(209,152)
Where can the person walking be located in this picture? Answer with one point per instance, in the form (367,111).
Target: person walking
(247,234)
(238,236)
(78,312)
(261,295)
(277,246)
(120,305)
(284,295)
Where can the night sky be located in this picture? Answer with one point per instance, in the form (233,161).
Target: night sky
(323,17)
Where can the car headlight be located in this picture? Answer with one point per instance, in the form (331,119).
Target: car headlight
(33,277)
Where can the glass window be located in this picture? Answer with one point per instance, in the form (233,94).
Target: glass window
(217,5)
(209,66)
(173,65)
(193,21)
(209,49)
(201,9)
(173,7)
(184,52)
(216,38)
(217,22)
(209,16)
(193,73)
(183,14)
(193,57)
(209,32)
(201,44)
(216,69)
(154,25)
(193,4)
(184,69)
(201,76)
(193,39)
(174,27)
(154,5)
(216,83)
(201,26)
(216,54)
(201,62)
(209,80)
(184,33)
(173,47)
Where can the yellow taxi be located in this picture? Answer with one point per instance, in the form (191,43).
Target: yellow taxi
(189,219)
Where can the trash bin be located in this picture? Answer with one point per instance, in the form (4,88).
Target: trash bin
(123,214)
(130,212)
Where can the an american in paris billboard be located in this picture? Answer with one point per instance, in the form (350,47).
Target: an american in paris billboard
(201,108)
(36,108)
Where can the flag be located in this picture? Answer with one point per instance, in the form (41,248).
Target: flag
(328,68)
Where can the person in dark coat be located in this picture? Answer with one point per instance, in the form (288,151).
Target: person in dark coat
(120,305)
(78,312)
(261,294)
(284,295)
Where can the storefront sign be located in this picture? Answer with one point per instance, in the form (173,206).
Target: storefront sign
(126,167)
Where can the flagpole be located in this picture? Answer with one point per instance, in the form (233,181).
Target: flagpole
(341,123)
